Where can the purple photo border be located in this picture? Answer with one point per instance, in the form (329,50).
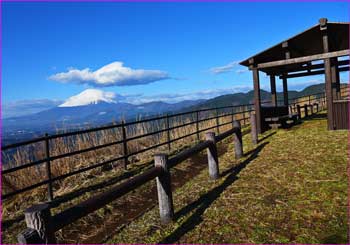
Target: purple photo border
(165,1)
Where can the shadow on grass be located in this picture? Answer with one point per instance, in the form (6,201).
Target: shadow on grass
(103,184)
(316,116)
(201,204)
(266,137)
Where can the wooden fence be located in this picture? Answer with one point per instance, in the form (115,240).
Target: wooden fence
(193,116)
(195,119)
(41,225)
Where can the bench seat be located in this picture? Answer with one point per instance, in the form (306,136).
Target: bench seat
(281,121)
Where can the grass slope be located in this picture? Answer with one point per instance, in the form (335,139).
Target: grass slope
(291,188)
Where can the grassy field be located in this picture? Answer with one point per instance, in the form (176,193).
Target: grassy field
(291,188)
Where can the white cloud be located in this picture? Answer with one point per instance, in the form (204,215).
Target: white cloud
(26,107)
(241,71)
(90,96)
(113,74)
(223,69)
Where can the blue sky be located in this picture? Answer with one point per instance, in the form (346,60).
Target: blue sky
(153,50)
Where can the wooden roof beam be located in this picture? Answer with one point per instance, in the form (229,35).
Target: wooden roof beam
(304,59)
(304,74)
(311,67)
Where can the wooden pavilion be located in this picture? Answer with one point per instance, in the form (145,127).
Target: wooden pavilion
(321,49)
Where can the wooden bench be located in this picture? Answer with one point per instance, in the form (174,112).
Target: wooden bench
(281,121)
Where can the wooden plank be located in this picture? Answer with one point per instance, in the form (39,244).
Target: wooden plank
(82,209)
(304,59)
(312,73)
(309,67)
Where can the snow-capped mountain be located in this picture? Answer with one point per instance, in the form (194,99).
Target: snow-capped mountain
(91,107)
(88,97)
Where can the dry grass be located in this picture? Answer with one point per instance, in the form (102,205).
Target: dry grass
(13,207)
(81,183)
(292,188)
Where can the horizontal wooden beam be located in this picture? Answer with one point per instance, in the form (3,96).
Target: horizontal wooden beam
(311,67)
(304,74)
(303,59)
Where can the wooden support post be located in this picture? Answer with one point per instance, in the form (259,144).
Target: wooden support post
(237,138)
(311,109)
(305,110)
(285,91)
(335,78)
(168,131)
(197,125)
(257,103)
(48,169)
(217,120)
(328,74)
(317,107)
(213,161)
(38,217)
(273,90)
(233,114)
(253,130)
(125,145)
(299,112)
(165,197)
(29,236)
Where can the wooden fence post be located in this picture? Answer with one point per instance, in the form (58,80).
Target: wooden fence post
(253,130)
(168,131)
(165,197)
(298,112)
(125,146)
(317,107)
(305,110)
(237,137)
(217,120)
(197,125)
(48,169)
(213,162)
(38,218)
(311,109)
(232,115)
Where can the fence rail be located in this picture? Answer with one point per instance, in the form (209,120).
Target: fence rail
(194,116)
(41,226)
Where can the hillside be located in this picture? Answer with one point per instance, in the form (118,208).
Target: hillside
(247,98)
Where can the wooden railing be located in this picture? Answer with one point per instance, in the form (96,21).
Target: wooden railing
(41,225)
(193,116)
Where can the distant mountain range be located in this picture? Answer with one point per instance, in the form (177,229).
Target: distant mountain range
(96,113)
(247,98)
(91,108)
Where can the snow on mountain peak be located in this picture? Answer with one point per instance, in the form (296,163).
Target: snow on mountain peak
(88,97)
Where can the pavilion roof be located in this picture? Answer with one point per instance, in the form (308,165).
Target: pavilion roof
(306,43)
